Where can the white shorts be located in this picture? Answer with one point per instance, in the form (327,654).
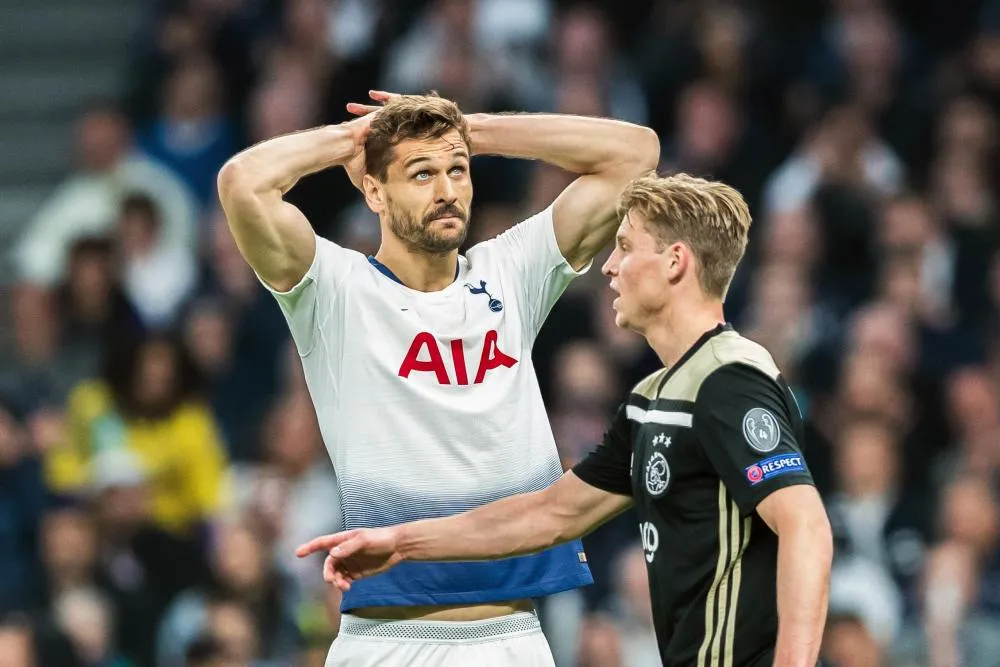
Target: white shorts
(508,641)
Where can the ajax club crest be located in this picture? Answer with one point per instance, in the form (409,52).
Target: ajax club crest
(657,475)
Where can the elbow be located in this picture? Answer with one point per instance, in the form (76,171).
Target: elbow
(235,181)
(232,180)
(646,151)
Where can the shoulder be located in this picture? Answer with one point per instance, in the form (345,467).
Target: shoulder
(333,264)
(735,369)
(647,387)
(731,349)
(519,229)
(327,248)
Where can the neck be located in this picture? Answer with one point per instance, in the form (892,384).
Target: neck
(677,329)
(417,270)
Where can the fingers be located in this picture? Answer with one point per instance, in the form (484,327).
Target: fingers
(361,109)
(324,543)
(332,575)
(364,109)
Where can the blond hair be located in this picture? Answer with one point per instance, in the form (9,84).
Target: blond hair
(410,117)
(712,218)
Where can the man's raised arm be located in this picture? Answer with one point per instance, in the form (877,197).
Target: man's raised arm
(514,526)
(273,235)
(606,153)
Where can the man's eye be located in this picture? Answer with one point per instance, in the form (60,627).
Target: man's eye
(458,170)
(422,175)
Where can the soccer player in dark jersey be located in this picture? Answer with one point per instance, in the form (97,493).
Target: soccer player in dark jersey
(737,542)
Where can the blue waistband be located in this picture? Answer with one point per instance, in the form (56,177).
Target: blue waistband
(416,584)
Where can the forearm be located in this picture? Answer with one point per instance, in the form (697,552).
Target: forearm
(277,164)
(579,144)
(805,552)
(513,526)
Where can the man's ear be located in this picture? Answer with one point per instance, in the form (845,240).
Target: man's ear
(374,193)
(679,261)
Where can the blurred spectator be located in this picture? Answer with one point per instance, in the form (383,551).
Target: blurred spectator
(32,366)
(17,645)
(633,610)
(245,603)
(600,644)
(874,517)
(294,495)
(141,567)
(841,149)
(157,278)
(584,397)
(206,651)
(236,335)
(68,545)
(191,134)
(146,402)
(22,502)
(847,643)
(973,403)
(715,138)
(962,581)
(86,617)
(93,309)
(87,203)
(468,51)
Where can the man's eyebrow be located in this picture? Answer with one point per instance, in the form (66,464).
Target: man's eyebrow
(458,152)
(415,160)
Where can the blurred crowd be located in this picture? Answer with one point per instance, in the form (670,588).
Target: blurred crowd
(159,455)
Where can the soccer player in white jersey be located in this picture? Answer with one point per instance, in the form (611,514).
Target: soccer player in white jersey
(418,359)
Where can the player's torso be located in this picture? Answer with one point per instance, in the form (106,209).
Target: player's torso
(706,562)
(429,406)
(435,407)
(676,499)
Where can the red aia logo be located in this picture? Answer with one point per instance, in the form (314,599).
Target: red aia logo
(424,355)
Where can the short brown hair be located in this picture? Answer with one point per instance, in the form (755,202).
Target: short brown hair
(712,218)
(410,117)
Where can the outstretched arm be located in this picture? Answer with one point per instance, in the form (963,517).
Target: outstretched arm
(514,526)
(273,235)
(606,153)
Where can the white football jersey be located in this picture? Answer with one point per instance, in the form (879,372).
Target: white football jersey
(428,401)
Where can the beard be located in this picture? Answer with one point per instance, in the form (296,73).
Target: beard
(418,235)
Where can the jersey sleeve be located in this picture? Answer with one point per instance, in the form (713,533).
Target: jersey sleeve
(542,272)
(609,466)
(307,306)
(743,419)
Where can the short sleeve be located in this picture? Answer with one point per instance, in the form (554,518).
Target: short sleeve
(307,305)
(744,421)
(543,273)
(609,466)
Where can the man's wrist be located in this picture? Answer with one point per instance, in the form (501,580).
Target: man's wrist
(402,538)
(478,132)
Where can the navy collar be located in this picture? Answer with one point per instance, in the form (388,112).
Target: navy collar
(387,272)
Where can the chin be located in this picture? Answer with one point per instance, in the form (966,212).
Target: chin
(449,239)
